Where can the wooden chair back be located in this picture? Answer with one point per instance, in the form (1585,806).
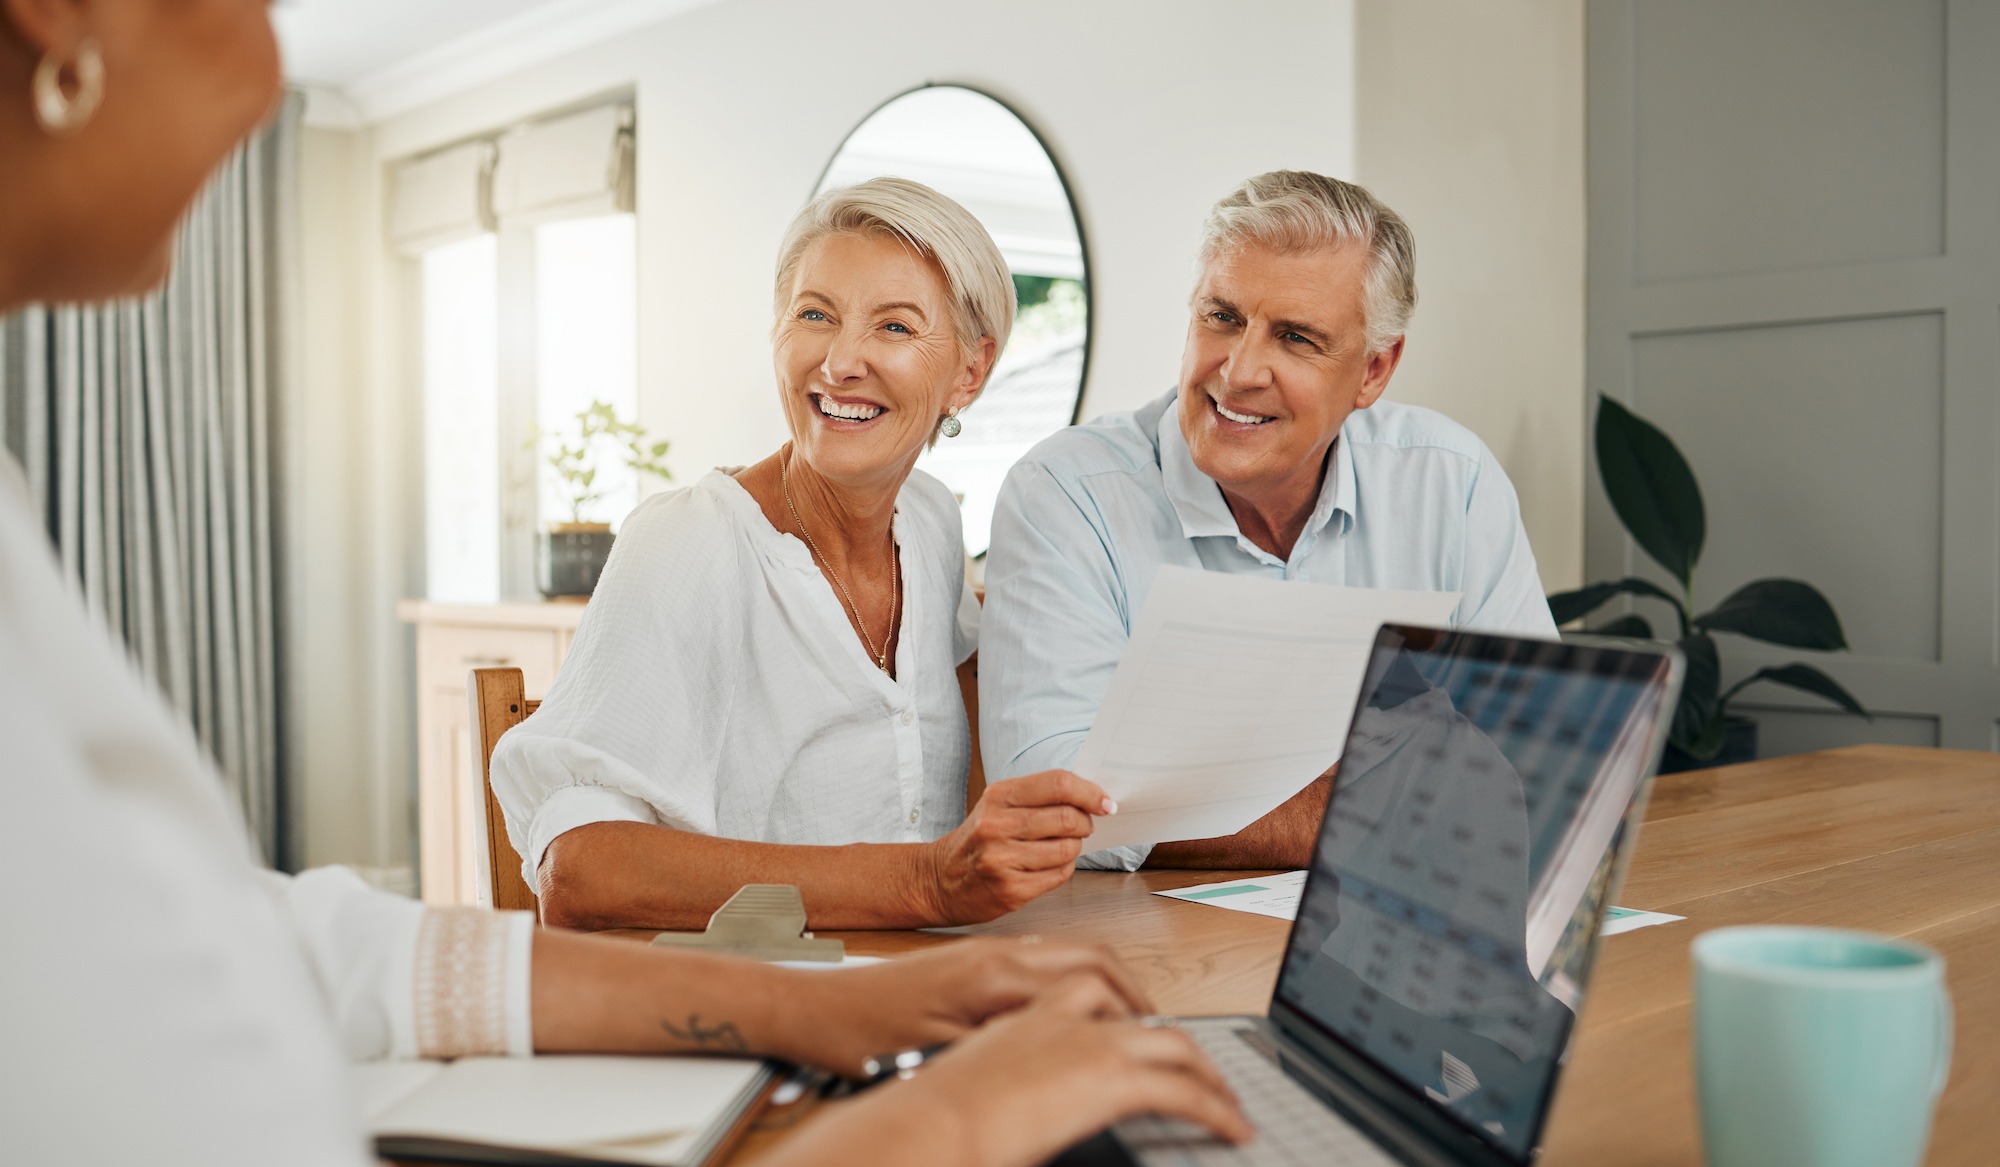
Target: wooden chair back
(499,703)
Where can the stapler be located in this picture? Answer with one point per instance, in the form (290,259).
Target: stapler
(763,921)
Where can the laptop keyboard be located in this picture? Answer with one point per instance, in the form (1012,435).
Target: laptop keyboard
(1294,1129)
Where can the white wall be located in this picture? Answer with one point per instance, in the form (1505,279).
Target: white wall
(1469,121)
(1153,111)
(324,718)
(349,523)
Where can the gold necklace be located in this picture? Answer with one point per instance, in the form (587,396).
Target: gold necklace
(880,657)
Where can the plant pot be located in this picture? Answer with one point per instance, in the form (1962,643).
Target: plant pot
(571,557)
(1739,744)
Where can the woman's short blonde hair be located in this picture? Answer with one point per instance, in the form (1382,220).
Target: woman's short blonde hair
(982,289)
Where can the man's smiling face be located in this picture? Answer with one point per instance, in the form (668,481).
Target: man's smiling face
(1276,360)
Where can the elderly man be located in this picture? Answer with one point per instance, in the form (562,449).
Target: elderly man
(1274,457)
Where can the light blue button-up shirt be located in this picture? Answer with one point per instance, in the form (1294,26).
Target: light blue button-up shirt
(1412,499)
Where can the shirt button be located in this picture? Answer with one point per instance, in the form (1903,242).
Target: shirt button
(913,816)
(907,716)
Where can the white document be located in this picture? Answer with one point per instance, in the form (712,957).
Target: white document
(1233,693)
(1276,896)
(1617,920)
(849,961)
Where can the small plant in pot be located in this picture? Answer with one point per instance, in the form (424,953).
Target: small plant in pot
(573,552)
(1655,495)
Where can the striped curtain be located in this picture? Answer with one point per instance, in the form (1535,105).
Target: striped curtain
(147,433)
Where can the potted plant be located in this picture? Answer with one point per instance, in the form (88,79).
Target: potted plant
(1655,495)
(573,551)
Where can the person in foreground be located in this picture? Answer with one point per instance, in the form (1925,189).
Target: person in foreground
(1275,457)
(762,689)
(167,1001)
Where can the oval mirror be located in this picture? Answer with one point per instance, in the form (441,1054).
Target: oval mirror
(967,145)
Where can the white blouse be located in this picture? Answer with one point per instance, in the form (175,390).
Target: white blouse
(163,998)
(716,686)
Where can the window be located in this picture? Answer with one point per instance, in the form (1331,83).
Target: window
(526,250)
(461,421)
(586,344)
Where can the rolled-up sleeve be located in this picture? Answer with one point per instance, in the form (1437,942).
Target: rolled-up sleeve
(1054,627)
(563,783)
(631,730)
(405,981)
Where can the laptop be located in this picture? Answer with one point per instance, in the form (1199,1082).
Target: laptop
(1487,801)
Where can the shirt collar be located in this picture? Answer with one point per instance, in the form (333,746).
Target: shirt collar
(1199,502)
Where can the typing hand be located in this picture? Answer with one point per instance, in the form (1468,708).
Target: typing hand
(1069,1065)
(937,996)
(1020,840)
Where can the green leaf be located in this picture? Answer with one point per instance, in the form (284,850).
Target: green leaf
(1651,488)
(1778,611)
(1700,709)
(1630,624)
(1567,606)
(1805,678)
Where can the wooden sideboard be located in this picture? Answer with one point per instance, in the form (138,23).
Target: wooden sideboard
(452,640)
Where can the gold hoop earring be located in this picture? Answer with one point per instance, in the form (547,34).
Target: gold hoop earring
(63,114)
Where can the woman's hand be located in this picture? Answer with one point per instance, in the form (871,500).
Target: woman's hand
(1025,1086)
(848,1015)
(1066,1067)
(1021,839)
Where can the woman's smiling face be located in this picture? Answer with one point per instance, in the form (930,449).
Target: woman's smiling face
(868,359)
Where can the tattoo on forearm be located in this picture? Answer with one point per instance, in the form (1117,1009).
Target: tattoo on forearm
(724,1036)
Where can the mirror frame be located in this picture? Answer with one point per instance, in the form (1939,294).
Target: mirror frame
(1069,196)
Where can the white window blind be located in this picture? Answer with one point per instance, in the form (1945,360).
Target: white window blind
(566,167)
(441,198)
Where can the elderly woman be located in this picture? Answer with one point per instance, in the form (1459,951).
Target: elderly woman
(762,689)
(168,1002)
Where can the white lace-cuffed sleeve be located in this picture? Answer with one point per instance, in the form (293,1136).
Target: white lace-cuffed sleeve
(404,981)
(472,983)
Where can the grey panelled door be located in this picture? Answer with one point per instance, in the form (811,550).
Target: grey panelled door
(1795,271)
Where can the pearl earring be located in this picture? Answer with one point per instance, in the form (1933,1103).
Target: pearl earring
(62,114)
(951,427)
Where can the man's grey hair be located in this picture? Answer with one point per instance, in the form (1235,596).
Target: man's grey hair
(982,289)
(1292,211)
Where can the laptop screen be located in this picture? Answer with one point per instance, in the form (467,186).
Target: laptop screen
(1461,871)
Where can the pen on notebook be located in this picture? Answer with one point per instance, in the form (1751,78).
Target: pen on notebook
(901,1064)
(800,1083)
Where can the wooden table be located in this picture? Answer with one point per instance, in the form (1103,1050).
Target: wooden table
(1888,839)
(1884,838)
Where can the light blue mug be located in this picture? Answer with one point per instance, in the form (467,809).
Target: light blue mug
(1817,1048)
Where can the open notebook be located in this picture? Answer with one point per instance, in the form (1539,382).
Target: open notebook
(552,1110)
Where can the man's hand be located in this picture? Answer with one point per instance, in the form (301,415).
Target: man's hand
(848,1015)
(1020,840)
(1287,837)
(1025,1086)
